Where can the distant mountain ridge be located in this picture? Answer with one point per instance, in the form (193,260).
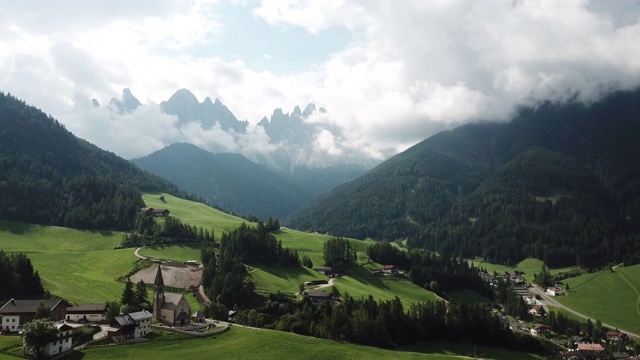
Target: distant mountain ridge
(560,182)
(292,138)
(229,181)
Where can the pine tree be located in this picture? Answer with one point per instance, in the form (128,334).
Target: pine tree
(128,296)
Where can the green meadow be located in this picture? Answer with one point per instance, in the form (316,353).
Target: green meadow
(179,252)
(611,297)
(529,266)
(194,213)
(241,343)
(81,266)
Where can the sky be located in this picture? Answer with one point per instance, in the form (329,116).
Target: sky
(389,73)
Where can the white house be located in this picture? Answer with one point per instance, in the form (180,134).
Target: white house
(554,291)
(61,344)
(16,313)
(143,322)
(87,313)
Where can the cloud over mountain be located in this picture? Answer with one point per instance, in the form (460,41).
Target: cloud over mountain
(389,75)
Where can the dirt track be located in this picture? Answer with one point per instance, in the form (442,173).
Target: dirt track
(181,277)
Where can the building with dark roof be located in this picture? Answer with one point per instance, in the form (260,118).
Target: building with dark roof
(169,308)
(16,313)
(62,343)
(87,312)
(319,295)
(129,326)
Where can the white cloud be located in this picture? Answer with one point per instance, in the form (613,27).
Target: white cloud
(410,69)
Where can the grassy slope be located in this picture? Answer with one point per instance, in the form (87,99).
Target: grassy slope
(467,296)
(530,266)
(194,213)
(181,252)
(80,266)
(611,297)
(240,343)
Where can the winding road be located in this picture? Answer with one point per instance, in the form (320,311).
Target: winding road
(553,302)
(137,253)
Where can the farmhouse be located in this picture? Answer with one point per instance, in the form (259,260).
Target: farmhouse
(540,330)
(319,295)
(554,291)
(592,351)
(129,326)
(61,344)
(390,269)
(536,310)
(155,212)
(617,336)
(87,312)
(324,270)
(169,308)
(16,313)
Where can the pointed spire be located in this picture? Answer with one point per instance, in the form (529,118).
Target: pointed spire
(159,281)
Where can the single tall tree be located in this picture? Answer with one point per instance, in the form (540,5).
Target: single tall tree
(142,298)
(42,312)
(37,334)
(128,296)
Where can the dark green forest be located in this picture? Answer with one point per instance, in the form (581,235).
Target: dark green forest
(49,176)
(18,278)
(559,182)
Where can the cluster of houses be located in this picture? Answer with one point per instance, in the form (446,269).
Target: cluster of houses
(168,308)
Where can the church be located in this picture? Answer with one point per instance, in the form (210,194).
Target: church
(169,308)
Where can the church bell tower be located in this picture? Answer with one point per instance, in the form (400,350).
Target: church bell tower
(158,294)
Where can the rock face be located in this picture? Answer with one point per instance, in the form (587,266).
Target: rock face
(127,104)
(186,107)
(293,141)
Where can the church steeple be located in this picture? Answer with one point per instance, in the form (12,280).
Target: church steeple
(158,294)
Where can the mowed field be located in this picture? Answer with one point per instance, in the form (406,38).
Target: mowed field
(241,343)
(81,266)
(611,297)
(529,266)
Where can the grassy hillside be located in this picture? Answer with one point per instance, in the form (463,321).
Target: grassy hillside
(194,213)
(240,343)
(611,297)
(80,266)
(530,266)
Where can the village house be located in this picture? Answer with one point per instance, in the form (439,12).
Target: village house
(540,330)
(16,313)
(129,326)
(554,291)
(390,269)
(169,308)
(592,351)
(324,270)
(61,344)
(615,336)
(536,310)
(93,313)
(319,295)
(155,212)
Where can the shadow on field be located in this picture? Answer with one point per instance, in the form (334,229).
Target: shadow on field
(16,228)
(287,273)
(364,276)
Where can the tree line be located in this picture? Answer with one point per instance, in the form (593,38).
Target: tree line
(150,230)
(225,276)
(438,273)
(18,278)
(48,176)
(386,324)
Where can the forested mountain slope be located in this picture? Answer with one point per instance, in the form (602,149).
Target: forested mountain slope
(559,182)
(229,181)
(49,176)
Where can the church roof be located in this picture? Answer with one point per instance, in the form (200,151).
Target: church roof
(159,281)
(171,300)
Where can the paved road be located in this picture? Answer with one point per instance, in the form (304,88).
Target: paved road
(553,302)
